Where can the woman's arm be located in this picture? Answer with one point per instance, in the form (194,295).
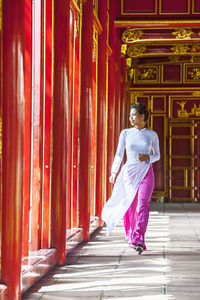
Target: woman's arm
(119,153)
(156,150)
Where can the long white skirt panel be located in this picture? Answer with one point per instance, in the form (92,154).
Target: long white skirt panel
(124,191)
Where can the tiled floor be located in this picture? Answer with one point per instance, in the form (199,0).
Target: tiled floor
(106,268)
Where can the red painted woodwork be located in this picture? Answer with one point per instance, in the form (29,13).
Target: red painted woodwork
(60,132)
(117,92)
(94,133)
(69,119)
(27,126)
(101,110)
(85,118)
(171,6)
(196,6)
(111,97)
(35,199)
(139,6)
(76,92)
(12,145)
(47,79)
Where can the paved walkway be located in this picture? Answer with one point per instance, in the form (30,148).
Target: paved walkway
(106,268)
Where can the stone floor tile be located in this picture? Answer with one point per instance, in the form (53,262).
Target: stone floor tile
(107,268)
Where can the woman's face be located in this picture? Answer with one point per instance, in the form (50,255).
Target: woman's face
(136,119)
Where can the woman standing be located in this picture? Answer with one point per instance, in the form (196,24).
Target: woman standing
(134,184)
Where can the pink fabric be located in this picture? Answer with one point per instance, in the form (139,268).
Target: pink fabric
(137,216)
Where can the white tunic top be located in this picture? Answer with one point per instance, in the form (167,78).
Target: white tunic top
(132,173)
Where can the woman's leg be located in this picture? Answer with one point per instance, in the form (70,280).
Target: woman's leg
(129,218)
(140,223)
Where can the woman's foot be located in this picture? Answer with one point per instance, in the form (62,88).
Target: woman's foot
(139,248)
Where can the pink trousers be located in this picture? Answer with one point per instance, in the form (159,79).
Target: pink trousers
(137,216)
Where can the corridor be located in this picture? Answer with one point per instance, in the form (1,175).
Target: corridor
(106,268)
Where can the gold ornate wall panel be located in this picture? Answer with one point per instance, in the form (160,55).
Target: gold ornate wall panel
(138,7)
(183,165)
(160,8)
(147,74)
(175,116)
(184,74)
(192,73)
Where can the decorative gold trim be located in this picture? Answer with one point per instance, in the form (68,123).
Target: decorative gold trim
(96,23)
(181,100)
(165,192)
(193,11)
(180,49)
(196,94)
(172,82)
(147,74)
(173,13)
(139,13)
(165,104)
(182,33)
(128,62)
(141,23)
(123,49)
(136,50)
(131,35)
(108,49)
(195,74)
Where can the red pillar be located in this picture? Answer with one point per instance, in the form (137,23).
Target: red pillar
(117,90)
(111,96)
(12,145)
(85,117)
(60,104)
(101,109)
(27,126)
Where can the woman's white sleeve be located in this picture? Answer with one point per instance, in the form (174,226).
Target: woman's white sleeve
(119,154)
(156,150)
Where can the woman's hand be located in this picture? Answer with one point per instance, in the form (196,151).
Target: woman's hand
(113,178)
(143,157)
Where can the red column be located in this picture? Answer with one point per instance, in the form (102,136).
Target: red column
(117,90)
(27,126)
(111,96)
(12,145)
(101,109)
(85,117)
(59,165)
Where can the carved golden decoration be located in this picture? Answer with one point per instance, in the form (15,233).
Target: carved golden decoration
(123,49)
(147,74)
(182,33)
(136,50)
(132,35)
(196,93)
(128,62)
(135,95)
(130,73)
(183,113)
(180,48)
(174,58)
(195,74)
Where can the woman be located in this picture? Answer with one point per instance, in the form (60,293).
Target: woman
(135,182)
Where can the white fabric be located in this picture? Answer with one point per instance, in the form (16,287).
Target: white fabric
(134,141)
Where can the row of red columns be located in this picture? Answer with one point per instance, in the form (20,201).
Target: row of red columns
(13,128)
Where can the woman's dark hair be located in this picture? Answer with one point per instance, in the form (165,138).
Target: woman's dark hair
(141,109)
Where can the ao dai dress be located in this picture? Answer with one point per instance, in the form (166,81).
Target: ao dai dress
(132,173)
